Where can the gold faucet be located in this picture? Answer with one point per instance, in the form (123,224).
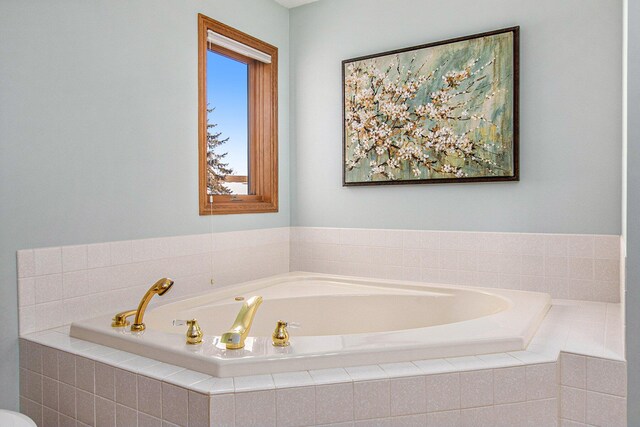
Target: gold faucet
(160,287)
(234,337)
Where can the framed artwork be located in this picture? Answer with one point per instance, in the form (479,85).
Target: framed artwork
(437,113)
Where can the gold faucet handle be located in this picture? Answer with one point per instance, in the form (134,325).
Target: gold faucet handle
(120,319)
(280,336)
(194,333)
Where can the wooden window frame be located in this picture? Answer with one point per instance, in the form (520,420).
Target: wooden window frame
(263,125)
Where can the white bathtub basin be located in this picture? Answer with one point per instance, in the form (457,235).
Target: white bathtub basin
(345,321)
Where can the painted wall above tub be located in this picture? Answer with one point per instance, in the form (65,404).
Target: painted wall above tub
(570,116)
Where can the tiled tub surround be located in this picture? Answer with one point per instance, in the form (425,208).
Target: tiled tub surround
(581,267)
(57,286)
(64,380)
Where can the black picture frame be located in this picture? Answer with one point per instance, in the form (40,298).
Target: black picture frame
(515,176)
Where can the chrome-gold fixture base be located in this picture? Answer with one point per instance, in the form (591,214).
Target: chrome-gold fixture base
(138,327)
(120,319)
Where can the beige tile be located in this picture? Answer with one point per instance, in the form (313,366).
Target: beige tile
(33,356)
(607,270)
(416,420)
(296,406)
(607,376)
(31,385)
(556,267)
(607,247)
(408,395)
(126,417)
(50,362)
(198,409)
(581,246)
(26,263)
(145,420)
(443,392)
(48,288)
(558,287)
(573,370)
(606,410)
(541,381)
(509,385)
(105,381)
(444,419)
(47,261)
(569,423)
(334,403)
(484,416)
(175,404)
(379,422)
(49,417)
(126,388)
(476,388)
(511,415)
(105,412)
(67,400)
(532,265)
(370,399)
(64,421)
(50,393)
(556,245)
(581,268)
(222,410)
(543,413)
(256,409)
(573,403)
(150,396)
(67,368)
(85,374)
(74,258)
(31,409)
(98,255)
(85,409)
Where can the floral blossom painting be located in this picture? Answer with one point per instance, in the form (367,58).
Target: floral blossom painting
(441,112)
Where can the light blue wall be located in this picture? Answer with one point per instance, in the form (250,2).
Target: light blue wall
(633,214)
(98,128)
(570,115)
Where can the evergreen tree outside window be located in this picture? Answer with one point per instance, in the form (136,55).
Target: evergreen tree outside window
(218,170)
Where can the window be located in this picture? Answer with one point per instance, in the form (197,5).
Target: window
(237,118)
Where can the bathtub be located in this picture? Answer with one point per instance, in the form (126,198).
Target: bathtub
(343,321)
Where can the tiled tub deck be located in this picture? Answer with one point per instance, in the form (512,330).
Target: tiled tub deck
(573,373)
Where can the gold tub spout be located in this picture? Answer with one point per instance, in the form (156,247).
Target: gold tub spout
(234,337)
(161,287)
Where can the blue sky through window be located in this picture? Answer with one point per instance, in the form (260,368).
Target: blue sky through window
(227,91)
